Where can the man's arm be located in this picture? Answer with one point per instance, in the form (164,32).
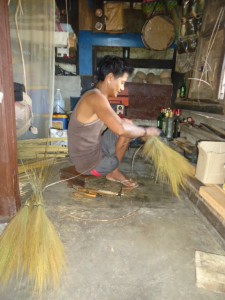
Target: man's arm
(102,108)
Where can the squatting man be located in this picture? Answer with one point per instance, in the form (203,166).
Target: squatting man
(95,151)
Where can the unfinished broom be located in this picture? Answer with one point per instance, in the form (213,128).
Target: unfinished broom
(29,245)
(170,166)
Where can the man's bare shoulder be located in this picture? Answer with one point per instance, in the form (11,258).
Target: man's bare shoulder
(94,93)
(94,96)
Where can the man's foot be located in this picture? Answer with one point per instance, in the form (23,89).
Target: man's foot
(117,176)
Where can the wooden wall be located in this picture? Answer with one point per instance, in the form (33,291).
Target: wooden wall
(85,15)
(206,75)
(146,100)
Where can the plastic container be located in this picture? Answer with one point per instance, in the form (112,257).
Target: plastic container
(59,103)
(60,121)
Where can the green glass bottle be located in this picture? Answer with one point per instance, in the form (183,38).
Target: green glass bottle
(177,121)
(183,89)
(160,118)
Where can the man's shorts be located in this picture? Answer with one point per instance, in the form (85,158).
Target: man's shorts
(109,161)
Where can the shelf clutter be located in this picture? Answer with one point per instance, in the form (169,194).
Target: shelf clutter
(65,46)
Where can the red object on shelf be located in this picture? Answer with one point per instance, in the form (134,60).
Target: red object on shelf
(119,101)
(122,98)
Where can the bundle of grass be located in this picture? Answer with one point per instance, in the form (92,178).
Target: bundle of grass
(170,166)
(30,246)
(12,246)
(45,252)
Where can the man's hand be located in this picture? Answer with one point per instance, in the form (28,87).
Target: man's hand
(151,131)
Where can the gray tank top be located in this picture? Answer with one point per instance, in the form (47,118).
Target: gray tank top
(84,143)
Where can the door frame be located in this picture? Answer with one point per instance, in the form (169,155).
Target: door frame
(9,186)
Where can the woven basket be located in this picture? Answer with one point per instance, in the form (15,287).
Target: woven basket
(151,7)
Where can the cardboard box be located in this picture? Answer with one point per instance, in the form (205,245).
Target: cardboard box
(211,161)
(59,134)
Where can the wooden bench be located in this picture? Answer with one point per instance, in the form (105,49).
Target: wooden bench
(76,178)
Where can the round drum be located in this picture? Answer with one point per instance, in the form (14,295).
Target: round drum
(158,33)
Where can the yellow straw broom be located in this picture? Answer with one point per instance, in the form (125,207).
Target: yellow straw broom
(30,246)
(12,243)
(170,165)
(44,251)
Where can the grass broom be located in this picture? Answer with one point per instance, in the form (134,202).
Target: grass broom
(12,246)
(170,166)
(30,246)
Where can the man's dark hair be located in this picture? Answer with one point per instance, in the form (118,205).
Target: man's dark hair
(113,64)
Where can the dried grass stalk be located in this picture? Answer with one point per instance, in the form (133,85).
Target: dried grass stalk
(34,165)
(30,245)
(170,166)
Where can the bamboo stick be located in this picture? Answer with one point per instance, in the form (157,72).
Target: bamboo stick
(34,165)
(41,141)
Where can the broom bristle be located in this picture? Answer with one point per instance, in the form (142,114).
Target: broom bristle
(170,166)
(45,252)
(30,244)
(12,244)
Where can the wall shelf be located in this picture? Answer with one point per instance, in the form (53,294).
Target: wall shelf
(89,39)
(152,63)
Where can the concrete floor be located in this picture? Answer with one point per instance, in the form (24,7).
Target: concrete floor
(137,247)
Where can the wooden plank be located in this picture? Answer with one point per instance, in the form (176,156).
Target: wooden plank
(215,197)
(210,271)
(220,187)
(199,106)
(216,130)
(194,134)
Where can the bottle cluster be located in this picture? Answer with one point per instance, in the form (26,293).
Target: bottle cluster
(169,121)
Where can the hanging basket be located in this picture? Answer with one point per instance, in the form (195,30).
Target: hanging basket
(154,7)
(158,33)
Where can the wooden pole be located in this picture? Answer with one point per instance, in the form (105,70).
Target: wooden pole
(9,189)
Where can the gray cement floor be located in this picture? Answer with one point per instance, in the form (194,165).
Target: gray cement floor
(137,247)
